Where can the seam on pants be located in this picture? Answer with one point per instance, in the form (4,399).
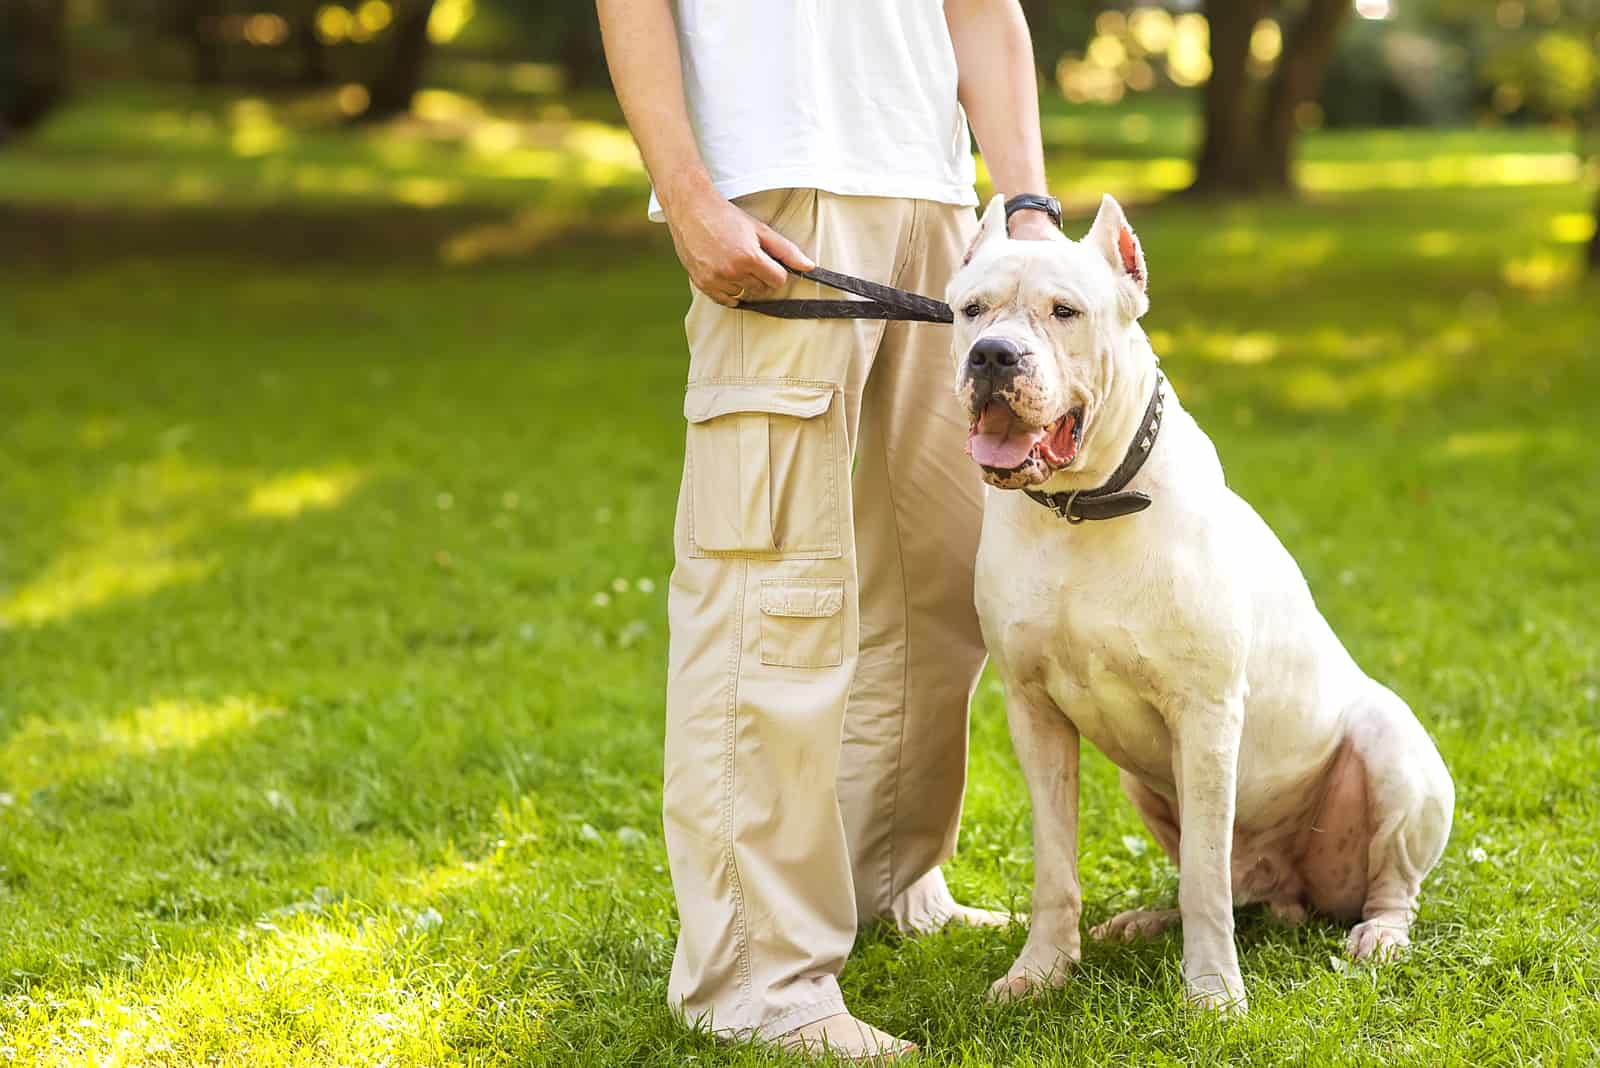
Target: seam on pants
(905,598)
(730,739)
(730,725)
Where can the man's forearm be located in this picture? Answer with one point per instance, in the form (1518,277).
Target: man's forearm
(994,55)
(641,43)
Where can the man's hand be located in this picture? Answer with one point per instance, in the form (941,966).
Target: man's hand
(729,254)
(1030,224)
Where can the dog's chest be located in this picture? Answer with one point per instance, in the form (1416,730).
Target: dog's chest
(1077,645)
(1100,692)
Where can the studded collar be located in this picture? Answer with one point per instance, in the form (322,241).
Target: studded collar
(1110,500)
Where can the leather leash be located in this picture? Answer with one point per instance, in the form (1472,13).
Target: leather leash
(883,302)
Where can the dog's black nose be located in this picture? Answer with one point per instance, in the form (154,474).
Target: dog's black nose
(994,356)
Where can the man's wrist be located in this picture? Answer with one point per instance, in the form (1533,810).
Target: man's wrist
(685,187)
(1034,202)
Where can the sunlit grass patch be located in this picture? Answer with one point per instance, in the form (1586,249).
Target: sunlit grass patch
(290,494)
(42,752)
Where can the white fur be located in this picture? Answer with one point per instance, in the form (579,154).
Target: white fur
(1182,641)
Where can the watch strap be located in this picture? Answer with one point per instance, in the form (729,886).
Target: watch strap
(1034,201)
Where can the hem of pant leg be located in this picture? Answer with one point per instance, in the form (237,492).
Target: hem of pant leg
(799,1016)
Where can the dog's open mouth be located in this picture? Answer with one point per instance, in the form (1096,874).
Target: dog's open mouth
(1004,444)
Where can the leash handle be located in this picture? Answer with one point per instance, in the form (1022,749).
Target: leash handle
(883,302)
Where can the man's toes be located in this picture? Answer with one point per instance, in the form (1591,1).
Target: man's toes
(843,1037)
(1378,940)
(968,916)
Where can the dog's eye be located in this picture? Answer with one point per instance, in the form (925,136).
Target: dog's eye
(1065,311)
(973,310)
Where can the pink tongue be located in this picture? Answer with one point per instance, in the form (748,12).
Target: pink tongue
(1000,440)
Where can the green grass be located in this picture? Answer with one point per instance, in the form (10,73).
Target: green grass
(333,586)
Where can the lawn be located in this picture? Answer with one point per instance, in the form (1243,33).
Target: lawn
(331,673)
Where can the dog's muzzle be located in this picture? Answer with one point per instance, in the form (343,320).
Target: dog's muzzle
(993,365)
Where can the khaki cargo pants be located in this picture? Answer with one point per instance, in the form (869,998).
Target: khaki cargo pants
(824,642)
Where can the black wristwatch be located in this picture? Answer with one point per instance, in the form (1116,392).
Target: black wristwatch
(1025,201)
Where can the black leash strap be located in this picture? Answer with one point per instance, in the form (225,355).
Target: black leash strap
(883,302)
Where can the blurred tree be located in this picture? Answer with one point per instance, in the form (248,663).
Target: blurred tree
(33,62)
(566,35)
(1306,52)
(1248,145)
(399,76)
(1227,149)
(1593,257)
(1057,28)
(196,22)
(303,36)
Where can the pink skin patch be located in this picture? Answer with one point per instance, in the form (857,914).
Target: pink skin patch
(1128,246)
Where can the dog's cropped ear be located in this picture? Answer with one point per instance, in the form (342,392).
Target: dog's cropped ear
(1115,240)
(991,228)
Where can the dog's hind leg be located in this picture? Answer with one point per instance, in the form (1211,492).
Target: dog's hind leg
(1410,800)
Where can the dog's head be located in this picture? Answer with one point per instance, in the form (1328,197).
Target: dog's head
(1039,326)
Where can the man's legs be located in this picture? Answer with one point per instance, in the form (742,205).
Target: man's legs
(918,509)
(764,630)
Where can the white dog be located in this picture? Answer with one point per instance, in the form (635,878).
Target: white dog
(1130,597)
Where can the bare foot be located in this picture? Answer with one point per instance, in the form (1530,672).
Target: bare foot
(968,916)
(1135,923)
(845,1038)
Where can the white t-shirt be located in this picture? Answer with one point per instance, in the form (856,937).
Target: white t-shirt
(856,97)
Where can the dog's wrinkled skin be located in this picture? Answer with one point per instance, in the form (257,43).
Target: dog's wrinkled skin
(1182,641)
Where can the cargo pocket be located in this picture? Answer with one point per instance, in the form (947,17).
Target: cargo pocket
(764,468)
(802,622)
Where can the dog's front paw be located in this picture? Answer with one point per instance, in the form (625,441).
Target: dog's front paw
(1020,983)
(1216,992)
(1380,939)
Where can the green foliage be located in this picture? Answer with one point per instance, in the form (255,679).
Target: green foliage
(1550,73)
(330,719)
(1399,76)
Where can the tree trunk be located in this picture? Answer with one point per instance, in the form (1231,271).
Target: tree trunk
(401,74)
(1593,256)
(33,62)
(313,58)
(1227,161)
(1307,49)
(1037,14)
(582,57)
(197,22)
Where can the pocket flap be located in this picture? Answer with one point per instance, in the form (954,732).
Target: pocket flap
(802,598)
(716,399)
